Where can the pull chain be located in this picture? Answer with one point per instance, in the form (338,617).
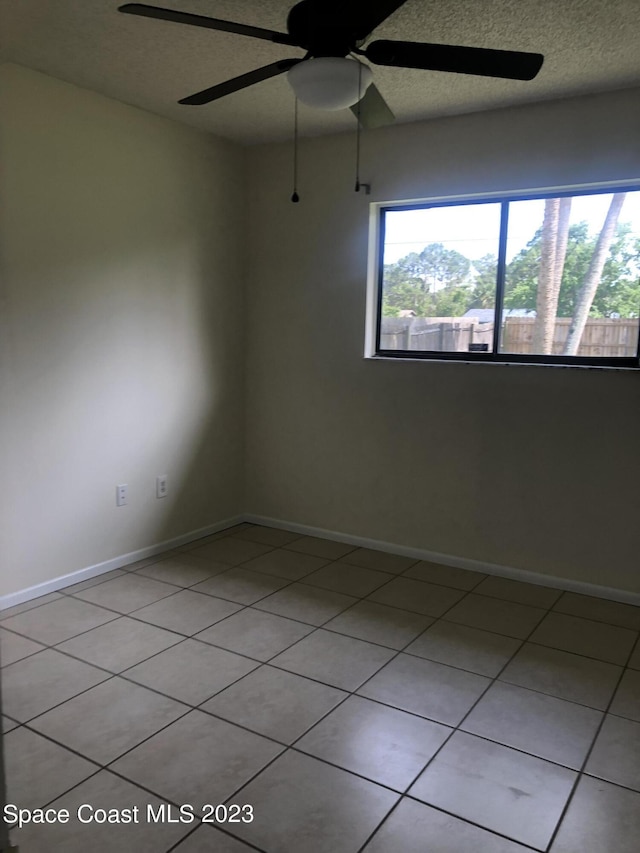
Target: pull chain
(295,197)
(357,186)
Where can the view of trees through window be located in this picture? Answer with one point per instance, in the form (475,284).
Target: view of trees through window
(571,284)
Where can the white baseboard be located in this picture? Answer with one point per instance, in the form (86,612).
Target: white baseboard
(568,584)
(14,598)
(538,578)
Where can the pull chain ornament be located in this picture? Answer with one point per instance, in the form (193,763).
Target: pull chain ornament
(295,198)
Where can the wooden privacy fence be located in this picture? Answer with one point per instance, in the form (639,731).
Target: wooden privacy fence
(606,336)
(601,337)
(438,334)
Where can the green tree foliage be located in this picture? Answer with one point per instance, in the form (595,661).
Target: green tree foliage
(428,282)
(618,293)
(483,292)
(440,282)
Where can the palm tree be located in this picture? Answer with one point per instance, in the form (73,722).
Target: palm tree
(591,281)
(555,234)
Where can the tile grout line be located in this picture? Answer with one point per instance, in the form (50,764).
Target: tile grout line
(221,535)
(146,562)
(269,661)
(286,746)
(451,814)
(314,629)
(453,729)
(107,768)
(582,771)
(292,745)
(219,828)
(456,728)
(180,588)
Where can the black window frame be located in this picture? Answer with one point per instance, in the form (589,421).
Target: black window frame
(496,357)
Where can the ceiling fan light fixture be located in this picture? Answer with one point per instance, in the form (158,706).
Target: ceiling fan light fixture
(330,82)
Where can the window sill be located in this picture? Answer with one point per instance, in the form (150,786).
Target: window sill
(538,364)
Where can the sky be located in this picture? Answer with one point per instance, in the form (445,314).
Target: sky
(472,229)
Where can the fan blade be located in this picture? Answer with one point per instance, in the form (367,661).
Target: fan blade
(510,64)
(241,82)
(145,11)
(372,110)
(369,15)
(344,21)
(351,17)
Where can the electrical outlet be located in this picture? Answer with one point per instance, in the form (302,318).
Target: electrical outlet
(161,486)
(121,494)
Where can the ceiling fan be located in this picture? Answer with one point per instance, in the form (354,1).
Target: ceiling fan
(330,31)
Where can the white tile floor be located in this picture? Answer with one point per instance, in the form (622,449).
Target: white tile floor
(358,701)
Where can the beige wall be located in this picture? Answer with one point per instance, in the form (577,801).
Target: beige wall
(123,240)
(122,304)
(525,467)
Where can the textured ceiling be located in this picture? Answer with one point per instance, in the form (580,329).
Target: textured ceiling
(589,46)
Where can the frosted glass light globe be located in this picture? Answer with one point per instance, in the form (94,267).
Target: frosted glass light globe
(330,82)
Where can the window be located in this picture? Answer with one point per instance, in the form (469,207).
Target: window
(551,278)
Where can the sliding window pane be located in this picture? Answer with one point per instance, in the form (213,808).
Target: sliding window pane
(572,283)
(439,279)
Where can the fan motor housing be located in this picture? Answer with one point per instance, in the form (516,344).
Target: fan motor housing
(318,34)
